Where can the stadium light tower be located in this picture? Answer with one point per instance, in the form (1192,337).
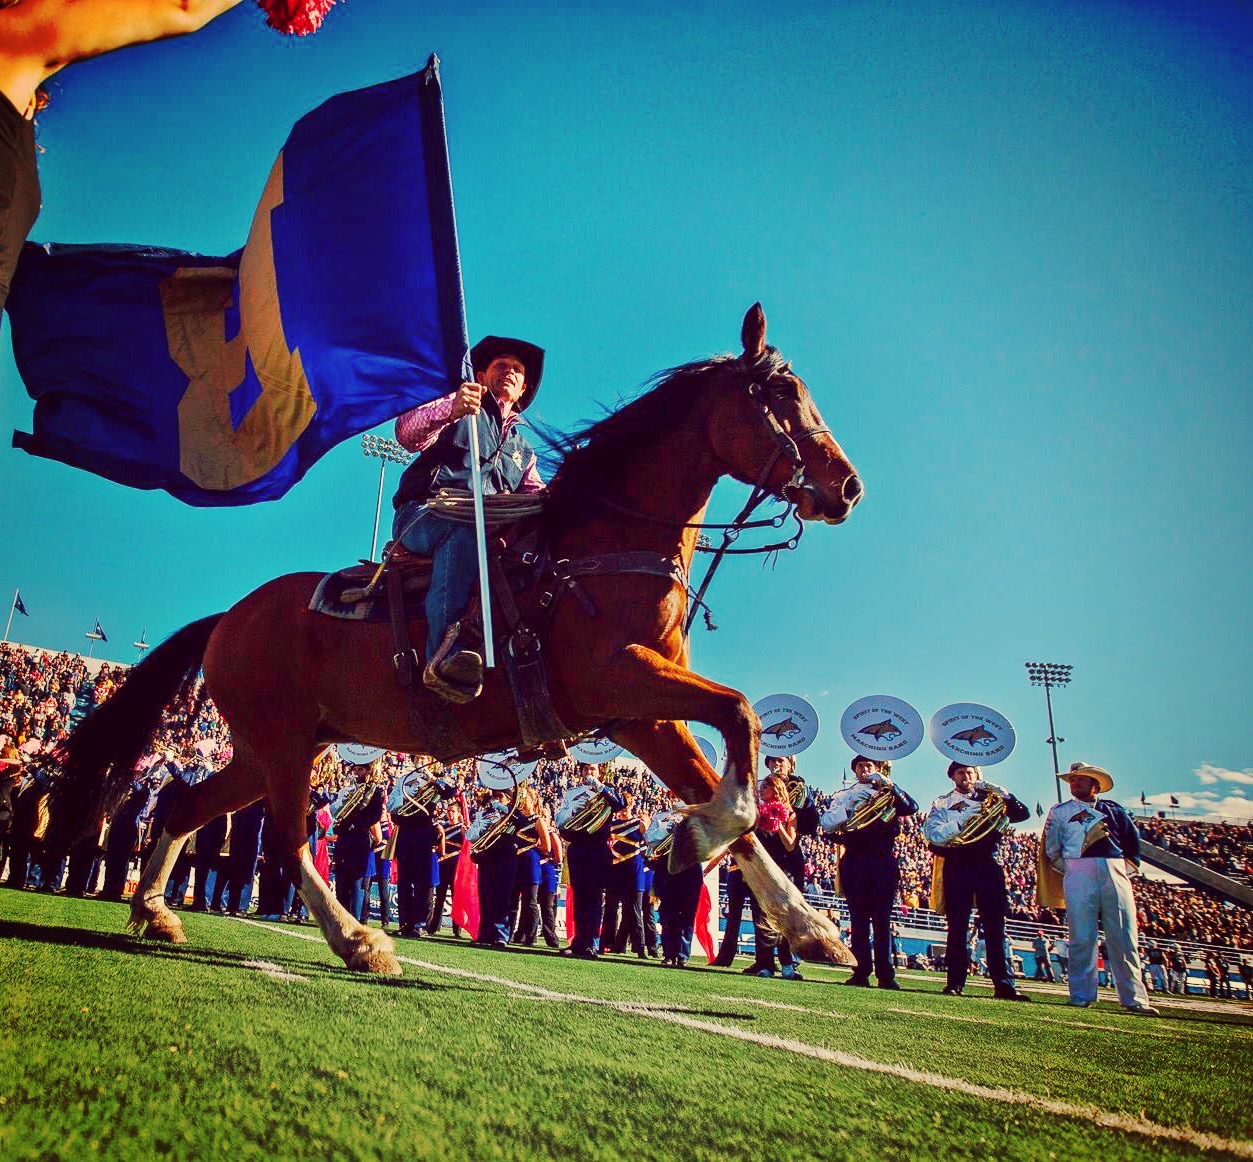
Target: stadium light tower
(388,452)
(1052,676)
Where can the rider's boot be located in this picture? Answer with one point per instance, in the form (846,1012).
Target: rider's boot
(455,673)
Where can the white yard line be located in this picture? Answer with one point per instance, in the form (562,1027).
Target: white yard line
(273,971)
(1135,1025)
(1124,1123)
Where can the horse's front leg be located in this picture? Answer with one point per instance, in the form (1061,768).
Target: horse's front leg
(811,935)
(642,685)
(709,827)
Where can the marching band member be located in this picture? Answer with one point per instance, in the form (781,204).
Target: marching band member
(533,842)
(679,895)
(588,860)
(1093,845)
(624,896)
(776,828)
(550,881)
(451,833)
(967,873)
(356,809)
(496,866)
(417,837)
(869,875)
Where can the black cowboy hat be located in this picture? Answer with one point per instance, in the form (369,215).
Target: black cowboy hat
(531,357)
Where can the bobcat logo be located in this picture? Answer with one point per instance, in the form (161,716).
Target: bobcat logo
(885,731)
(782,729)
(975,736)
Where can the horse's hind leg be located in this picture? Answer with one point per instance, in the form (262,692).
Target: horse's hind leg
(362,948)
(149,915)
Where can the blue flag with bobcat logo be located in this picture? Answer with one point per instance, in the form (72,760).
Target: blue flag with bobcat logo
(223,380)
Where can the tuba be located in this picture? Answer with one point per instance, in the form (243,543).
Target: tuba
(659,838)
(583,809)
(858,807)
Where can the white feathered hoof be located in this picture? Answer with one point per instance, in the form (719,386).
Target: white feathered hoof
(817,940)
(710,828)
(373,952)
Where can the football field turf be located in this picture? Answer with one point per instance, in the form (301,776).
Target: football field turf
(253,1041)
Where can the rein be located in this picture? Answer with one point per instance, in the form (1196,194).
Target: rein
(785,445)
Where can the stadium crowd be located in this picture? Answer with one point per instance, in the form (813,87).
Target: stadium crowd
(40,693)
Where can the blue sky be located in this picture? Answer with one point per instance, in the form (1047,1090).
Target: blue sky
(1007,246)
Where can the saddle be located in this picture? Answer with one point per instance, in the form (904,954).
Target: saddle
(526,586)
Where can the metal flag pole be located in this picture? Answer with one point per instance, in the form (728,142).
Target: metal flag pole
(446,228)
(480,536)
(8,625)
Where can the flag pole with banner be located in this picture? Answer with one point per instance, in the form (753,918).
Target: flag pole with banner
(16,607)
(435,128)
(223,380)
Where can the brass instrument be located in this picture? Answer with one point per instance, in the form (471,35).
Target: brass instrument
(356,798)
(623,845)
(418,791)
(858,807)
(991,818)
(659,838)
(584,809)
(797,791)
(492,824)
(528,835)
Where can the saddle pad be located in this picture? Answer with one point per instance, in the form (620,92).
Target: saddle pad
(346,594)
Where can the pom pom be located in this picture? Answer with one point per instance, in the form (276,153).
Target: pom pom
(295,17)
(772,816)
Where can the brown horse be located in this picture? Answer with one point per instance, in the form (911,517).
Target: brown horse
(287,680)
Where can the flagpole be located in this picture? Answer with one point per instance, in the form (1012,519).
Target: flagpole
(480,534)
(8,625)
(436,123)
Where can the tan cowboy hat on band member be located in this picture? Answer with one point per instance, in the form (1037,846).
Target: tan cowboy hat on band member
(1104,780)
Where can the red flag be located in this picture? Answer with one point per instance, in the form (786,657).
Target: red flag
(570,912)
(706,926)
(465,884)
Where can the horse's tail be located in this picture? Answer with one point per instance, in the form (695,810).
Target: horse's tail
(98,759)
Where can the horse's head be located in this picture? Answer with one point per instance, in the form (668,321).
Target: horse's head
(767,430)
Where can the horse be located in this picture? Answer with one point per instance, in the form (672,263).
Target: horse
(288,681)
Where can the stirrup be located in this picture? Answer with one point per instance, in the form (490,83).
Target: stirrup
(456,675)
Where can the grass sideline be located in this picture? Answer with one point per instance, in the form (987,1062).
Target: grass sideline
(252,1042)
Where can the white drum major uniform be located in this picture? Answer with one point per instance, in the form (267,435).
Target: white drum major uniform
(1091,844)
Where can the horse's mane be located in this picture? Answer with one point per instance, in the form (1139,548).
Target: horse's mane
(590,461)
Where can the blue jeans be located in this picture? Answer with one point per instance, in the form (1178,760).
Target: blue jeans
(454,569)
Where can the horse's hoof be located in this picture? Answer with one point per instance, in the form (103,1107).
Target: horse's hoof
(819,943)
(166,932)
(375,953)
(709,829)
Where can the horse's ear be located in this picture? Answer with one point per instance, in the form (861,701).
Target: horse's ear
(753,333)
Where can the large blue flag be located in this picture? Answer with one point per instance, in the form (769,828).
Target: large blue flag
(222,380)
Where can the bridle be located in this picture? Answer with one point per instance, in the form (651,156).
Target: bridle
(761,394)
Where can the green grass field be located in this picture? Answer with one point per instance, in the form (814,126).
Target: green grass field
(252,1041)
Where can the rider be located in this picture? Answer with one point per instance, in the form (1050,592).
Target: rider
(507,373)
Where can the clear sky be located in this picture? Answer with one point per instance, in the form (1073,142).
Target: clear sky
(1007,246)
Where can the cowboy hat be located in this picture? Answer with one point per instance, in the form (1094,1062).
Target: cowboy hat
(531,357)
(1104,780)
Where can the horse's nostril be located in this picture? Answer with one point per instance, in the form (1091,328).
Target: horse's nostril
(853,490)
